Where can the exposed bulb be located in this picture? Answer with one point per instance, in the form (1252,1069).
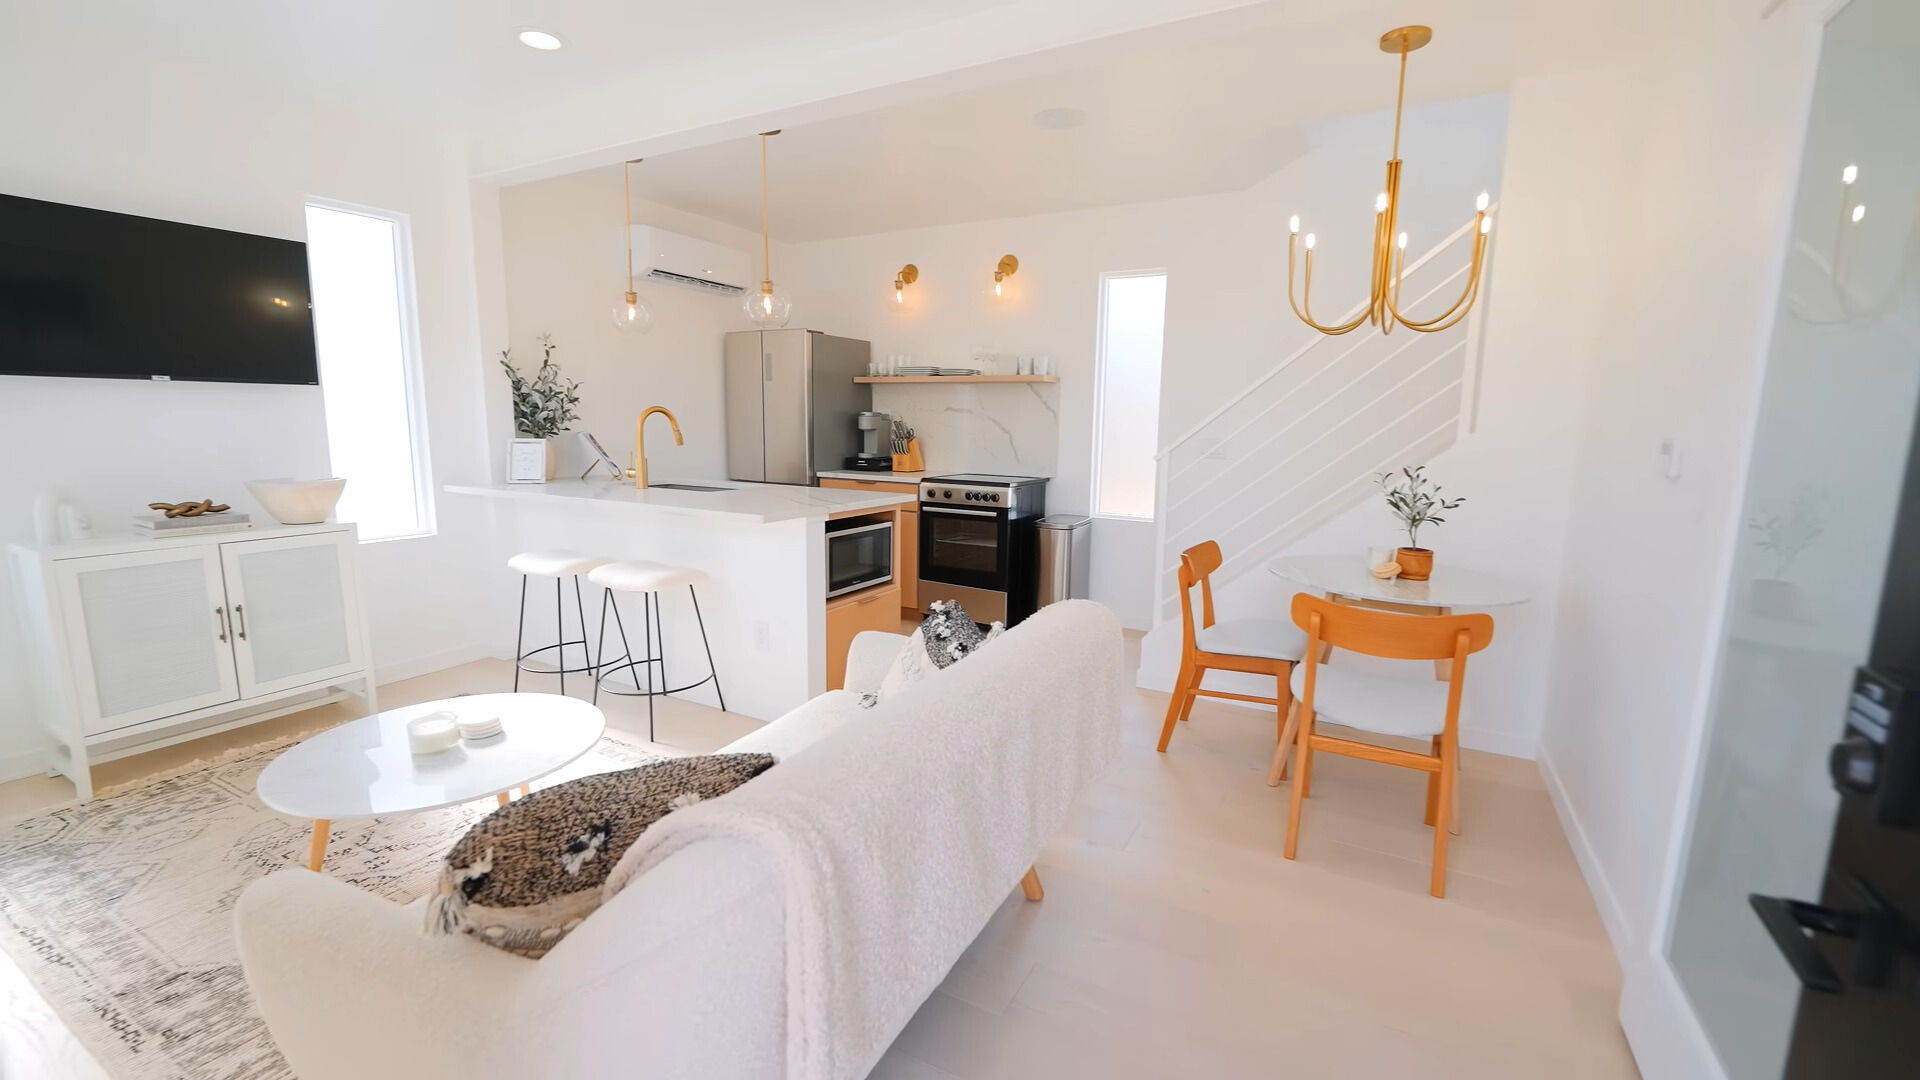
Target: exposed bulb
(633,313)
(1486,225)
(1849,174)
(1380,203)
(996,286)
(767,308)
(1480,204)
(899,296)
(1403,241)
(1293,224)
(1860,211)
(1309,241)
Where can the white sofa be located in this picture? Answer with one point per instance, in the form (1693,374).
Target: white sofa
(684,973)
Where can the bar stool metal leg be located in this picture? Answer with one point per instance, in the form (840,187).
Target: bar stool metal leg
(520,635)
(719,693)
(646,629)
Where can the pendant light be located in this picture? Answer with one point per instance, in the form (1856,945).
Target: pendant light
(1389,250)
(767,308)
(631,313)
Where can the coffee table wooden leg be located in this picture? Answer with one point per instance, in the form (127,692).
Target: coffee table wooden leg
(317,849)
(501,798)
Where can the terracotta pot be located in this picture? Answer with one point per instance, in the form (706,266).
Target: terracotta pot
(1416,564)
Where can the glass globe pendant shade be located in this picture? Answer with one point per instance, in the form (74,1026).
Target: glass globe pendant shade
(634,314)
(767,307)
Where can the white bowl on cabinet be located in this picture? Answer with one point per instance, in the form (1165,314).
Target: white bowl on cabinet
(297,502)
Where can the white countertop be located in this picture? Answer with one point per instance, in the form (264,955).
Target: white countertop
(742,502)
(863,474)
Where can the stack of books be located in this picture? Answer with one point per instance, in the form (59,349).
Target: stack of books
(159,525)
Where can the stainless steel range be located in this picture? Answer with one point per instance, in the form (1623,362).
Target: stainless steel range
(979,543)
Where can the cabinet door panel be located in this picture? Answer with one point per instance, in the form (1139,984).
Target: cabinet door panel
(149,635)
(296,619)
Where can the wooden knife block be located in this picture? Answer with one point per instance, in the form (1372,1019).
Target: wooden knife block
(911,461)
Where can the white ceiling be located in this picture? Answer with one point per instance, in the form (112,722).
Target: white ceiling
(1174,117)
(457,62)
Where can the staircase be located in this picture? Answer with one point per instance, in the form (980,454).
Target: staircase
(1303,443)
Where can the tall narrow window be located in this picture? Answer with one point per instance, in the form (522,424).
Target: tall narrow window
(1133,318)
(363,316)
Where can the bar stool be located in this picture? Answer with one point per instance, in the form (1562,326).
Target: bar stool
(649,579)
(556,563)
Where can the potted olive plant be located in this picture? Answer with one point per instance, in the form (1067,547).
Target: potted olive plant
(544,405)
(1416,501)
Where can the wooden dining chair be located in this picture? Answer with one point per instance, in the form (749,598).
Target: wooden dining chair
(1259,646)
(1382,704)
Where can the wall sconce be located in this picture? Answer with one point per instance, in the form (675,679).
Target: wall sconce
(908,275)
(1006,268)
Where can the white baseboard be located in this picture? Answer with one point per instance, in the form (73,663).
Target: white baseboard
(427,665)
(23,763)
(1663,1030)
(1612,915)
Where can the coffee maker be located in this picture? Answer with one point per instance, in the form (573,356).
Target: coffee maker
(876,448)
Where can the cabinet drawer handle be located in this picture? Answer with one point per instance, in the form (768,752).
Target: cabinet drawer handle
(220,620)
(240,624)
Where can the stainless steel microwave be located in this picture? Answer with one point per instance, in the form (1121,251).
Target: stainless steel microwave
(858,555)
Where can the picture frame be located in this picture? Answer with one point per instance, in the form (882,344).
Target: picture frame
(528,461)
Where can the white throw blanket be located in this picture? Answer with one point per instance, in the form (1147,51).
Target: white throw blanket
(894,851)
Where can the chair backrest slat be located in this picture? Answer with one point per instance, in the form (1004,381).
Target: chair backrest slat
(1390,635)
(1196,563)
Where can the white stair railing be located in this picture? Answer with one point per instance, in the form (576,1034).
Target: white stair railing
(1302,443)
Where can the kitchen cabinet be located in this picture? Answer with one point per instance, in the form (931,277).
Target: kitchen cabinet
(136,643)
(874,609)
(907,562)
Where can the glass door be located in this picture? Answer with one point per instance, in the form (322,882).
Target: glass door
(1836,419)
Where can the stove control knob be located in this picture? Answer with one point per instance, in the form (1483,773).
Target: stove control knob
(995,496)
(947,494)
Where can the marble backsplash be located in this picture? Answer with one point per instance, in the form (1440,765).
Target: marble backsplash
(1009,428)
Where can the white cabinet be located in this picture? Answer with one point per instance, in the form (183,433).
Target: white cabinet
(294,620)
(147,635)
(137,643)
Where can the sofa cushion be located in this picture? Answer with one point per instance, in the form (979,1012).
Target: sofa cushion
(803,727)
(528,873)
(947,635)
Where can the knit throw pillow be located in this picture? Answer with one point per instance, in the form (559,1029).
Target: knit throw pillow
(525,875)
(947,634)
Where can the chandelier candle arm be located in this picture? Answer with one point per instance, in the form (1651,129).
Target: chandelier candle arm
(1389,243)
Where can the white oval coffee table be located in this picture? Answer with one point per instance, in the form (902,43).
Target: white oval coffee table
(365,769)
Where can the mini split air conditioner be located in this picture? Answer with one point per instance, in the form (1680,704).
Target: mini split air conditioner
(683,260)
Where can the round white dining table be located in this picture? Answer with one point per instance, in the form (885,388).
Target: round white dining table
(1450,588)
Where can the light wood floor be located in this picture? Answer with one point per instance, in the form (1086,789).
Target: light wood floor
(1174,940)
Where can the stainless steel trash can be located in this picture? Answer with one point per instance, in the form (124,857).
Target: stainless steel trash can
(1063,557)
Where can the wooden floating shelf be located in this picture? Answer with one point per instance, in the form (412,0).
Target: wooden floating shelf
(957,379)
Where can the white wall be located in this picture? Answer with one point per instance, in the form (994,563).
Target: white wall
(565,262)
(1226,310)
(1662,144)
(193,144)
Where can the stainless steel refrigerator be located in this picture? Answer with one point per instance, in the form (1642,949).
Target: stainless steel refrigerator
(791,403)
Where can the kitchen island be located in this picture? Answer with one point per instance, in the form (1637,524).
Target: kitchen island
(762,545)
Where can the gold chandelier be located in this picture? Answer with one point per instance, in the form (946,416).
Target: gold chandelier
(1389,245)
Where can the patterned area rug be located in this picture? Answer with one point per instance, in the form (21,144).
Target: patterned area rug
(120,910)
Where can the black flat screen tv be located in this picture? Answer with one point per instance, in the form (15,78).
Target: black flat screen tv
(94,294)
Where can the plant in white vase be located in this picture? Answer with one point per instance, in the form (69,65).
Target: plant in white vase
(545,404)
(1417,502)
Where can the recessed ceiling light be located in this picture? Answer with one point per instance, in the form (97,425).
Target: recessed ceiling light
(1059,119)
(540,39)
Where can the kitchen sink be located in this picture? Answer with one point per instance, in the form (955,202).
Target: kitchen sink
(690,487)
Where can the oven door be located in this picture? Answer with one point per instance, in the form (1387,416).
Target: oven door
(858,557)
(964,547)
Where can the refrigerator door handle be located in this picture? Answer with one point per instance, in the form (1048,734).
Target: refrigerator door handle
(1787,922)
